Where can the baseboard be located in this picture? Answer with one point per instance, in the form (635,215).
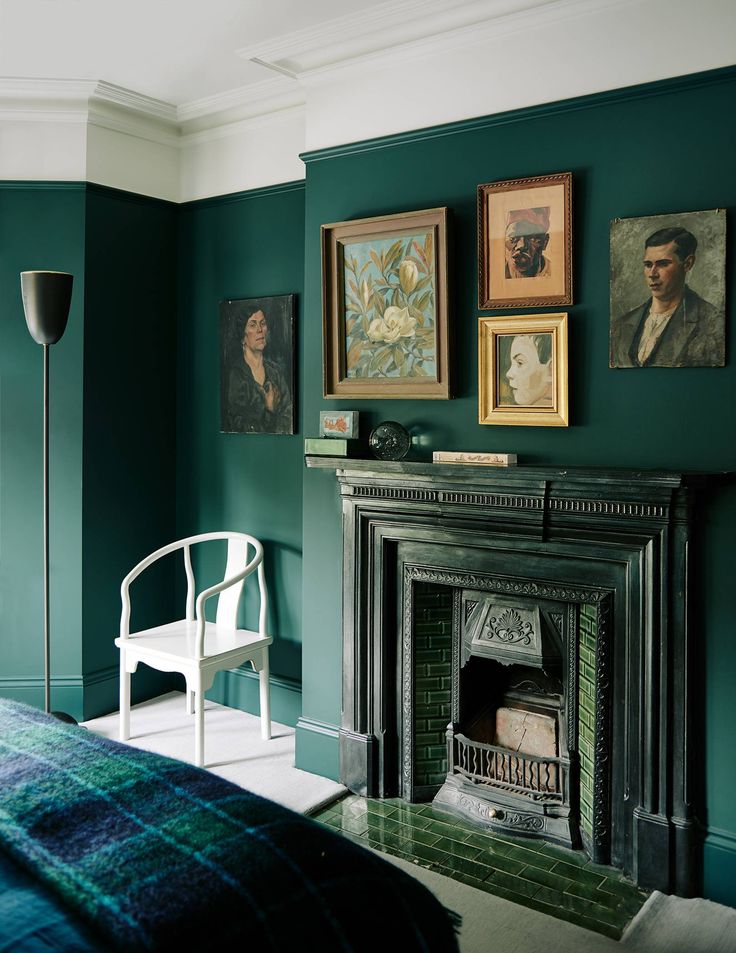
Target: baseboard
(96,693)
(239,688)
(67,692)
(101,688)
(719,866)
(318,748)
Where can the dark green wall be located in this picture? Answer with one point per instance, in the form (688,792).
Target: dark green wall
(242,246)
(112,435)
(41,227)
(129,474)
(668,148)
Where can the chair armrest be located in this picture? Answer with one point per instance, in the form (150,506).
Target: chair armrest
(134,573)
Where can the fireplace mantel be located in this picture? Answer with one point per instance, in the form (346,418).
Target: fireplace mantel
(541,490)
(617,538)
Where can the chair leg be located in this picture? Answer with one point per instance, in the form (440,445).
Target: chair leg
(199,725)
(265,691)
(124,700)
(189,701)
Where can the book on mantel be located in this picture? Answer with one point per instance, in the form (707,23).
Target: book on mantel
(331,447)
(474,459)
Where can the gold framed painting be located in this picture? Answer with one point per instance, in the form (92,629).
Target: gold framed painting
(525,242)
(522,370)
(385,305)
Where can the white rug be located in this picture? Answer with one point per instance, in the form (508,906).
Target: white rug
(663,925)
(233,749)
(673,925)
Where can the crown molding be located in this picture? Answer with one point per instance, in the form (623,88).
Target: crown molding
(410,28)
(95,102)
(223,130)
(393,17)
(270,96)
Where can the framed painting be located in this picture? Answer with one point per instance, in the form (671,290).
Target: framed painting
(668,290)
(339,423)
(257,365)
(525,242)
(385,304)
(522,370)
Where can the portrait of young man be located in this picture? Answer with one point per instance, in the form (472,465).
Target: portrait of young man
(257,365)
(681,276)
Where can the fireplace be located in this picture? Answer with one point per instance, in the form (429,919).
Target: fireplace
(569,665)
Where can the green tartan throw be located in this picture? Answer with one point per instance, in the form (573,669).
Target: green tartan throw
(159,855)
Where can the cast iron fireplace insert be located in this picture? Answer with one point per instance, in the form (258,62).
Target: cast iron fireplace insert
(609,546)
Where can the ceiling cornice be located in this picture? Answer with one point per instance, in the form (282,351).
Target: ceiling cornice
(95,102)
(410,28)
(247,102)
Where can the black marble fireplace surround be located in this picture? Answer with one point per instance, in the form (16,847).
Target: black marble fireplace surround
(616,541)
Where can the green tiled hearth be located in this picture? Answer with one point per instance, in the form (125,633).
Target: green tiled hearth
(551,879)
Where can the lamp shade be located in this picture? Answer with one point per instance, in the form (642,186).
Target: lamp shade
(46,299)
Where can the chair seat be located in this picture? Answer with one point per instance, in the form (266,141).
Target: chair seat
(177,640)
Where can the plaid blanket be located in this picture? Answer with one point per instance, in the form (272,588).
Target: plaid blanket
(159,855)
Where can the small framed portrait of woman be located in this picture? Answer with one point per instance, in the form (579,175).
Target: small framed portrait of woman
(523,370)
(257,365)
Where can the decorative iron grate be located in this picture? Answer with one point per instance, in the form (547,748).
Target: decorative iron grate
(533,777)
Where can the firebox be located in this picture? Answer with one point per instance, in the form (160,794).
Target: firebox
(509,758)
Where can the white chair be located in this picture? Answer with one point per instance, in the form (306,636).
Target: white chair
(194,647)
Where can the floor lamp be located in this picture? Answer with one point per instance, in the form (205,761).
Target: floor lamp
(46,299)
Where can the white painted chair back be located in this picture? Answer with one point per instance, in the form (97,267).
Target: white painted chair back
(229,591)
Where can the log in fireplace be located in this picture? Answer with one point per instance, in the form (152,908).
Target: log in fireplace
(571,669)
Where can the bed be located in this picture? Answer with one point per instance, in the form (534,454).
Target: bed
(104,847)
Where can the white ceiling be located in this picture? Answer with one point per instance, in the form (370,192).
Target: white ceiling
(177,51)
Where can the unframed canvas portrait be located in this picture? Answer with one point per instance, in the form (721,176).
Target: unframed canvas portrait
(668,290)
(257,365)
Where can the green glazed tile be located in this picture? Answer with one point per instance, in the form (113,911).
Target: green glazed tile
(458,848)
(581,875)
(518,885)
(623,888)
(547,878)
(447,830)
(535,858)
(596,895)
(578,919)
(593,911)
(387,825)
(576,857)
(469,880)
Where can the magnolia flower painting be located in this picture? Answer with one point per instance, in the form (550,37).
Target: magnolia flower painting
(390,308)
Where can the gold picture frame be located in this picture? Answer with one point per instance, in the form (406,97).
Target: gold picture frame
(525,242)
(385,306)
(522,370)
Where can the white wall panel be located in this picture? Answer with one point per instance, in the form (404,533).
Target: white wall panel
(45,150)
(131,163)
(247,155)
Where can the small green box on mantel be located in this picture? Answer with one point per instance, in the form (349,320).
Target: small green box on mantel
(331,447)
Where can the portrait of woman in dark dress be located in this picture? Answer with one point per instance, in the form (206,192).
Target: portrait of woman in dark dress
(256,376)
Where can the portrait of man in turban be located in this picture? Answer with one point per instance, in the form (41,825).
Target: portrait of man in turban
(526,239)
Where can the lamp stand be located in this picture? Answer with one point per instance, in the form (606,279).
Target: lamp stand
(46,299)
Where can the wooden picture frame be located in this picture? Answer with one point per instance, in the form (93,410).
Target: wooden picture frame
(522,370)
(525,242)
(385,306)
